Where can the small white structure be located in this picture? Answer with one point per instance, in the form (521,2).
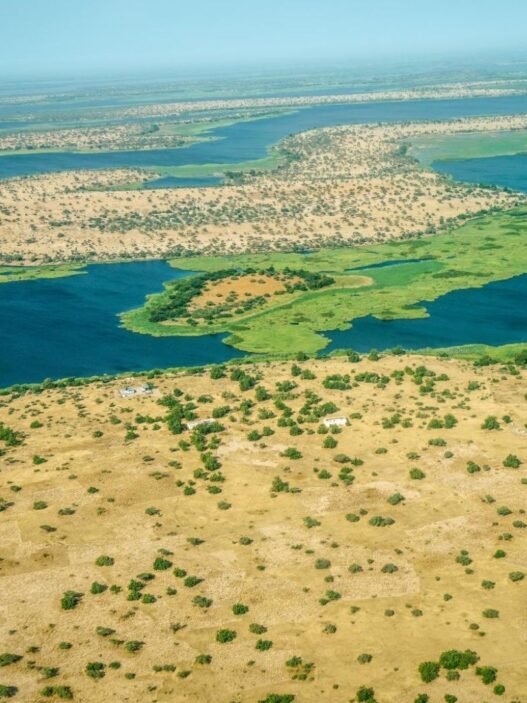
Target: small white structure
(196,423)
(335,422)
(132,391)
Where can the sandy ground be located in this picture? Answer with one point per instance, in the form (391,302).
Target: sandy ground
(92,492)
(249,286)
(345,185)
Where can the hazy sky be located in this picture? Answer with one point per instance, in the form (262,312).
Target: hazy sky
(68,36)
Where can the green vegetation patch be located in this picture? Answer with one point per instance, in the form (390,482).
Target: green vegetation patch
(468,145)
(9,274)
(486,249)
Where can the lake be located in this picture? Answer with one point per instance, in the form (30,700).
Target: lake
(246,141)
(64,327)
(494,314)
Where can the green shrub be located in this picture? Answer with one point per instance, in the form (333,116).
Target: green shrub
(511,462)
(133,646)
(365,695)
(417,474)
(491,613)
(257,629)
(70,600)
(224,636)
(6,659)
(104,561)
(95,670)
(487,674)
(490,423)
(456,659)
(322,564)
(161,564)
(263,645)
(429,671)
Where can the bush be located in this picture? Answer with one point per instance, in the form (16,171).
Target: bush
(429,671)
(133,646)
(511,462)
(417,474)
(487,674)
(395,499)
(7,659)
(263,645)
(192,581)
(389,569)
(379,521)
(257,629)
(104,561)
(70,600)
(491,613)
(95,670)
(161,564)
(224,636)
(322,564)
(240,609)
(8,691)
(490,423)
(455,659)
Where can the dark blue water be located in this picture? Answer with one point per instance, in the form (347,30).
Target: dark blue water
(386,264)
(495,314)
(246,141)
(69,326)
(504,171)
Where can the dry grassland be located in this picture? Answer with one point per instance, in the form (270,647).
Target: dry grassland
(315,557)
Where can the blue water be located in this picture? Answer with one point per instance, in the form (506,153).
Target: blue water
(504,171)
(69,327)
(386,264)
(495,314)
(246,141)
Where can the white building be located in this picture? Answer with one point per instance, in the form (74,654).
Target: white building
(196,423)
(335,422)
(131,391)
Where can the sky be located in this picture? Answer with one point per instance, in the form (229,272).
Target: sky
(64,37)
